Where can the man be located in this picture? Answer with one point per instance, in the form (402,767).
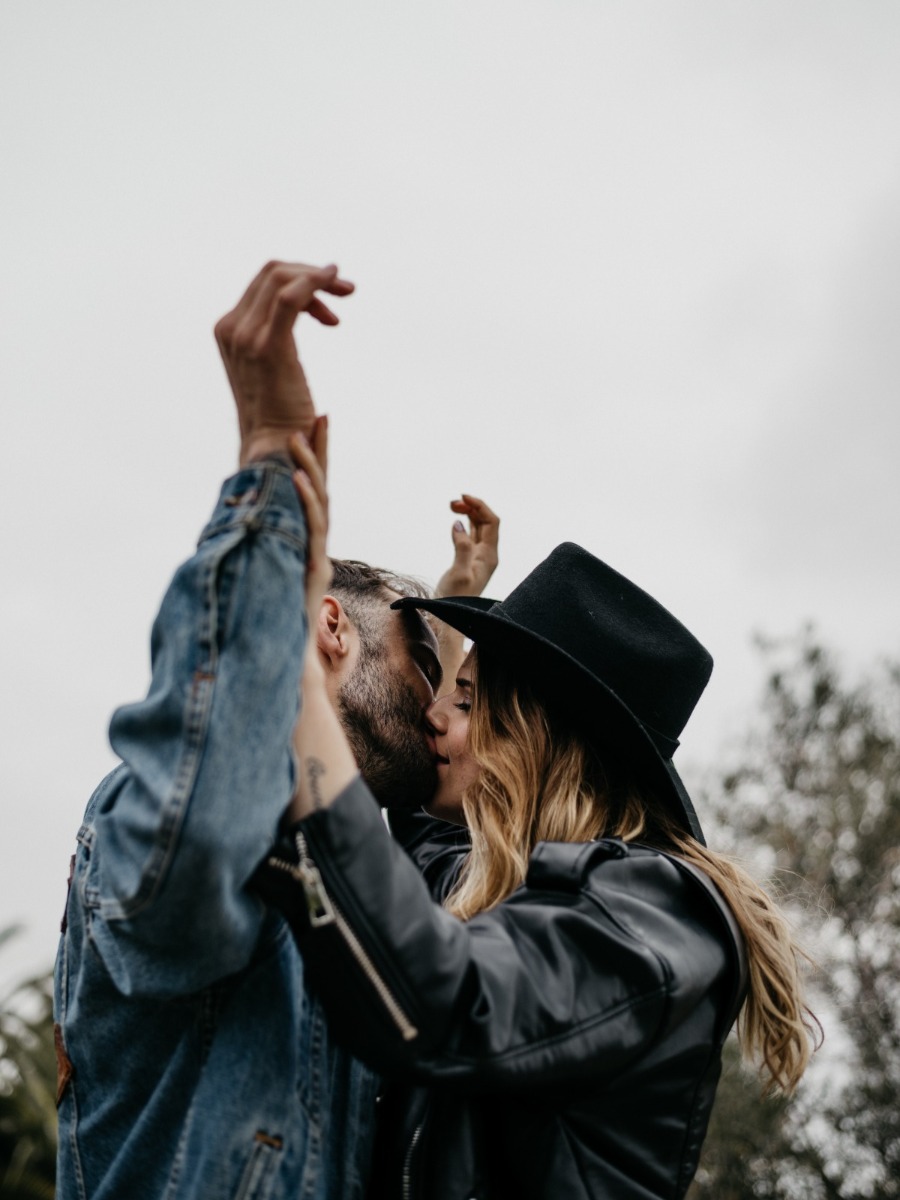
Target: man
(193,1062)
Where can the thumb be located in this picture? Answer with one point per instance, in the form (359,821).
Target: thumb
(462,543)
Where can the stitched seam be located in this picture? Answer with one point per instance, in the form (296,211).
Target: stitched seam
(254,519)
(199,706)
(198,710)
(678,1187)
(569,1142)
(73,1143)
(560,1038)
(370,938)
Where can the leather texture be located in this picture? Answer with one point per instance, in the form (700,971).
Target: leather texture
(567,1043)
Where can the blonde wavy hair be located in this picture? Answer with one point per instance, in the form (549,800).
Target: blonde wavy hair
(540,781)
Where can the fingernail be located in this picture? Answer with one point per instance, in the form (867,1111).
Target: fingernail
(459,527)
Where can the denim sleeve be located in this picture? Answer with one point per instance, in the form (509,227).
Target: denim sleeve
(207,769)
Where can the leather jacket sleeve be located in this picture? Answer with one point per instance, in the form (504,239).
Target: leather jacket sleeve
(575,975)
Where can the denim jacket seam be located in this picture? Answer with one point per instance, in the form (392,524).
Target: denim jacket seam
(199,706)
(196,719)
(265,514)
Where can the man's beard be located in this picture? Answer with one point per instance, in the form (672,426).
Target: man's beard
(382,718)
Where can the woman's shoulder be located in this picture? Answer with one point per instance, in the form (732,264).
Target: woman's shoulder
(665,903)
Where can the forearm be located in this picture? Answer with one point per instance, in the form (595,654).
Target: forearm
(544,988)
(324,761)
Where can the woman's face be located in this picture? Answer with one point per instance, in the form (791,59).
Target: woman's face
(448,721)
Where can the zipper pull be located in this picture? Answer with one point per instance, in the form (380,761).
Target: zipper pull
(317,900)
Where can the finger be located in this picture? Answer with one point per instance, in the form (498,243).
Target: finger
(339,286)
(256,301)
(485,522)
(319,442)
(485,513)
(322,312)
(462,544)
(317,527)
(281,291)
(299,295)
(472,504)
(305,458)
(316,517)
(291,295)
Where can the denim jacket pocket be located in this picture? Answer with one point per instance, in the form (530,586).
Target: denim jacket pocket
(261,1168)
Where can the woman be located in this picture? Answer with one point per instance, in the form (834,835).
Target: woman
(554,1027)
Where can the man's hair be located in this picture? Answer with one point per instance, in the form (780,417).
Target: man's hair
(362,591)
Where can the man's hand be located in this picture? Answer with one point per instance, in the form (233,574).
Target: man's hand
(256,341)
(475,551)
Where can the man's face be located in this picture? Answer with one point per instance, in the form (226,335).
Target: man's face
(382,706)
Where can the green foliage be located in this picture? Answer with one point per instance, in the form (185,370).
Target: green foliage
(818,804)
(27,1090)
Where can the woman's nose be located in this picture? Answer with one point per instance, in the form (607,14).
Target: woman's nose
(436,717)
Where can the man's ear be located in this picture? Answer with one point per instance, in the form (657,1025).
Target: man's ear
(336,637)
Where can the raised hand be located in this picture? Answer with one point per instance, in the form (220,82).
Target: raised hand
(474,551)
(256,341)
(474,561)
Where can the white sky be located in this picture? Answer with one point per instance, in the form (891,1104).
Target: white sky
(631,271)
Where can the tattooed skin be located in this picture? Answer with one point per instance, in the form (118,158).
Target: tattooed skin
(315,769)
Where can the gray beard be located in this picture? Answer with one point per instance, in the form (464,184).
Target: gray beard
(383,720)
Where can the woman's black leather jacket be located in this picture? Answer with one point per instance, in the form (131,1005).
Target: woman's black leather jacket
(565,1044)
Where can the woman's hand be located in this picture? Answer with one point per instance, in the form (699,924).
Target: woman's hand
(475,552)
(311,459)
(474,560)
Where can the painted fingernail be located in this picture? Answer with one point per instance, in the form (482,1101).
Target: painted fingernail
(459,527)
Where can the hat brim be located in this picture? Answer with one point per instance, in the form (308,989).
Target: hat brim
(574,689)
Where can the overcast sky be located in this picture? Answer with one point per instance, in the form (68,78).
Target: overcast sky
(630,271)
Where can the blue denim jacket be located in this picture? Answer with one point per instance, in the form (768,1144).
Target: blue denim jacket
(200,1065)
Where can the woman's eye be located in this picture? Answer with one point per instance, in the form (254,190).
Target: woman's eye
(464,706)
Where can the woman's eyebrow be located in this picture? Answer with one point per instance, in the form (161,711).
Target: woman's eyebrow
(463,683)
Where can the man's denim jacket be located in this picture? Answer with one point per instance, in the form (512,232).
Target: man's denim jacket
(193,1061)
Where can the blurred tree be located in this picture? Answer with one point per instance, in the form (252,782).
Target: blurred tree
(27,1089)
(818,804)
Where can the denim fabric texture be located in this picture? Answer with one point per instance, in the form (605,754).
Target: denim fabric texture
(201,1065)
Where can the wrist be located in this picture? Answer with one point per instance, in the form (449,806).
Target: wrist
(268,443)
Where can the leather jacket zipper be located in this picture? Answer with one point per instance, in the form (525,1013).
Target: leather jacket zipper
(324,911)
(407,1162)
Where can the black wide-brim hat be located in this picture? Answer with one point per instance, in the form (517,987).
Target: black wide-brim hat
(598,648)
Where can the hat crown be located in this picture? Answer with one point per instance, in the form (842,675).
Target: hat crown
(598,648)
(618,633)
